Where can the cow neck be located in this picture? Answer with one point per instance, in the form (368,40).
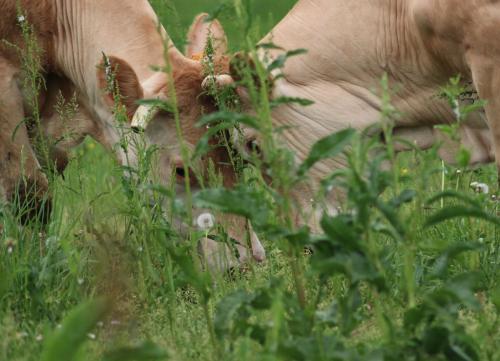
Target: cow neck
(342,69)
(126,29)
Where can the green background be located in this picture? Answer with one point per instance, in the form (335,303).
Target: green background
(177,16)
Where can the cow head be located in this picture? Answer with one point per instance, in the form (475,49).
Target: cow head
(123,90)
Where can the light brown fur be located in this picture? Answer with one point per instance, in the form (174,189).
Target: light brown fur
(419,44)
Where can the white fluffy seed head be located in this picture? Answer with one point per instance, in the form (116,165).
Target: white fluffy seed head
(205,221)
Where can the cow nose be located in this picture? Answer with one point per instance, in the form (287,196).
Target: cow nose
(252,147)
(180,172)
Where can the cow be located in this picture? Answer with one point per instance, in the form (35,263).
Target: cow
(419,44)
(105,50)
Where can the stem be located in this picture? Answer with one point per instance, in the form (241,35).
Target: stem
(211,330)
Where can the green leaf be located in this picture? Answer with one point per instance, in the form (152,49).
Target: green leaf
(280,61)
(327,148)
(230,118)
(453,195)
(290,100)
(147,351)
(435,340)
(463,157)
(451,212)
(340,229)
(65,342)
(440,267)
(406,196)
(227,310)
(414,316)
(495,297)
(162,104)
(243,201)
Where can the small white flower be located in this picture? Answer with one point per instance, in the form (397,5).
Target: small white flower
(459,171)
(92,336)
(480,187)
(10,250)
(481,239)
(21,18)
(39,338)
(80,281)
(205,221)
(140,249)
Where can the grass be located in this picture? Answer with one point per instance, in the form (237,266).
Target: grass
(395,277)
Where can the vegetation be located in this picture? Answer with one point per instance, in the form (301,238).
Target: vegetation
(407,270)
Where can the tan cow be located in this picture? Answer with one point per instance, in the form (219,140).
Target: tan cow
(420,44)
(73,36)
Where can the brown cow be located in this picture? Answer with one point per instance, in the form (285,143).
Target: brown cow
(73,36)
(419,44)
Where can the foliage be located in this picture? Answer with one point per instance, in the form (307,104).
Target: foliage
(405,269)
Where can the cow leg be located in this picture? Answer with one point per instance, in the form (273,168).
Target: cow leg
(486,77)
(20,177)
(483,58)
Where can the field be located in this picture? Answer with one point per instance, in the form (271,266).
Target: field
(410,269)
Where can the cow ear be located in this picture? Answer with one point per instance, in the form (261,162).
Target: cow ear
(200,32)
(119,82)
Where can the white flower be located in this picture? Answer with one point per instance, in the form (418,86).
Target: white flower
(80,281)
(480,187)
(92,336)
(39,338)
(21,18)
(205,221)
(140,249)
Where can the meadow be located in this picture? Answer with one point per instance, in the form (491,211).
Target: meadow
(409,269)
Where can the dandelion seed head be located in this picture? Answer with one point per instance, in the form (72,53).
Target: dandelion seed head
(205,221)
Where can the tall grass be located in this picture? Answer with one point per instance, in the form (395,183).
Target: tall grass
(408,269)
